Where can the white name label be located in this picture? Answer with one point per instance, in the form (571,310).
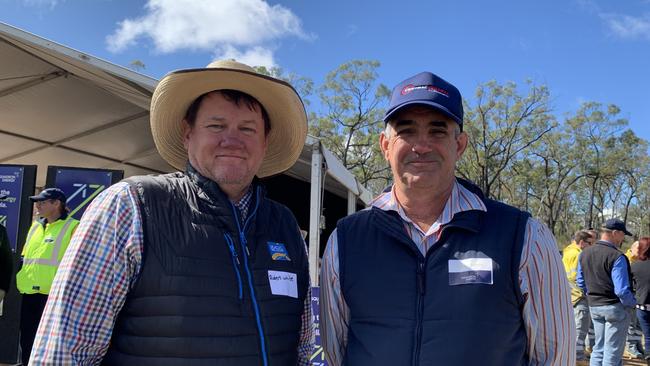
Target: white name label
(470,271)
(283,283)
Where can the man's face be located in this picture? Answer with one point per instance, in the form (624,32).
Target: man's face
(46,208)
(619,237)
(423,148)
(227,142)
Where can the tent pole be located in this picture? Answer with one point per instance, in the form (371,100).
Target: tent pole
(315,209)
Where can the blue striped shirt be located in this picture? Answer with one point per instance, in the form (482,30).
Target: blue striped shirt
(99,268)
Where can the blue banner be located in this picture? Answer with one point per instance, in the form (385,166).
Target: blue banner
(318,357)
(11,184)
(81,186)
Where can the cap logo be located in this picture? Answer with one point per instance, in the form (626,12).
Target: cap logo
(409,88)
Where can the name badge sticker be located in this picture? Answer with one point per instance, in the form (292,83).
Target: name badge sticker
(284,283)
(470,271)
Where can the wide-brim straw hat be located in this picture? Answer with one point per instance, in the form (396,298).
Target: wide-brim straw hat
(178,89)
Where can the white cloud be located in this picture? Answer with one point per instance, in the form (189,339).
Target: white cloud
(42,3)
(626,26)
(244,28)
(256,56)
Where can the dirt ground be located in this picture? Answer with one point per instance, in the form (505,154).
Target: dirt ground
(634,362)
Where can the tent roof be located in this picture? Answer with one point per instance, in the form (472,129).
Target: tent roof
(59,106)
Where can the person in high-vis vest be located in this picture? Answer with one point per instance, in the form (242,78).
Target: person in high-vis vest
(47,240)
(570,255)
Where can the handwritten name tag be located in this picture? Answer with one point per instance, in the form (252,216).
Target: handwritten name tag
(470,271)
(283,283)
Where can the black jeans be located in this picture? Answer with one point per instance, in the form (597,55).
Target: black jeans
(30,315)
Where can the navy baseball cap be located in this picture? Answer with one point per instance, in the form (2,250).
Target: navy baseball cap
(427,89)
(616,224)
(49,194)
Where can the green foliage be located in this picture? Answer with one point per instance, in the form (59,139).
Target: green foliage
(137,65)
(502,125)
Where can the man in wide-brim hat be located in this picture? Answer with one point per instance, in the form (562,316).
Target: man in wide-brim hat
(196,267)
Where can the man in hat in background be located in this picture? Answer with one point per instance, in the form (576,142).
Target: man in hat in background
(6,261)
(434,273)
(46,243)
(604,275)
(196,267)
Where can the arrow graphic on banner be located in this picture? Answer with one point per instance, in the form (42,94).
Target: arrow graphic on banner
(82,189)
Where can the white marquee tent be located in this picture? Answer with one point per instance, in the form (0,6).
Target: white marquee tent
(63,107)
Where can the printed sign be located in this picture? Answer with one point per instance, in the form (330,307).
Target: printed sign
(81,186)
(11,184)
(318,357)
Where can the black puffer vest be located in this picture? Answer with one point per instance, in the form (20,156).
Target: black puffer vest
(203,296)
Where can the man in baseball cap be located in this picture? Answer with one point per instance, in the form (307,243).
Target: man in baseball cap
(196,267)
(435,273)
(49,194)
(604,276)
(46,243)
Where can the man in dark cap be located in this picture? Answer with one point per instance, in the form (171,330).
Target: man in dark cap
(604,275)
(434,272)
(46,242)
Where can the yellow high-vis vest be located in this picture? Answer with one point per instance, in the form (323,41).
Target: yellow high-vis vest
(42,255)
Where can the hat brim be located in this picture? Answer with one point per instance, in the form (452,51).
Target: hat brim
(37,198)
(628,233)
(427,103)
(177,90)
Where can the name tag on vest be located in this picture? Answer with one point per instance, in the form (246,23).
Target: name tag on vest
(470,271)
(284,283)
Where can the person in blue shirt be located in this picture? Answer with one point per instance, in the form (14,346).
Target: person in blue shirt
(604,275)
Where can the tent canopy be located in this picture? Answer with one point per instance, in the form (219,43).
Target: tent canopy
(62,107)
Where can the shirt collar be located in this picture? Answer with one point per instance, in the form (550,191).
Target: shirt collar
(608,243)
(460,199)
(244,203)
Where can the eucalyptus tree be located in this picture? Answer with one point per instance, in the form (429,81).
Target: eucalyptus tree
(594,128)
(353,104)
(502,123)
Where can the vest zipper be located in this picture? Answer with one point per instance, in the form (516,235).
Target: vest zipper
(243,243)
(235,263)
(421,286)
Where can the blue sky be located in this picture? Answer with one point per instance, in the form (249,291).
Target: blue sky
(584,50)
